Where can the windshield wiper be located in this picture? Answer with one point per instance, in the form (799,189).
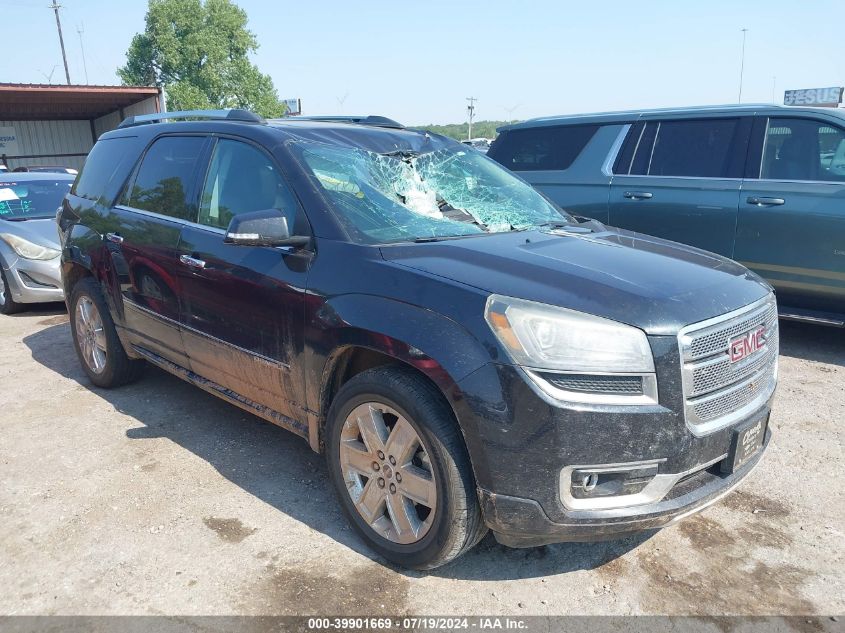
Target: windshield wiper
(444,238)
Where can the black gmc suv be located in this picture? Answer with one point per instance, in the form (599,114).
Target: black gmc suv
(466,355)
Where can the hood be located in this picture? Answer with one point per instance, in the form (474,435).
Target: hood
(650,283)
(42,232)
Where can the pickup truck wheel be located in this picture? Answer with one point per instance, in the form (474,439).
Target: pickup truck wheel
(7,304)
(97,345)
(399,465)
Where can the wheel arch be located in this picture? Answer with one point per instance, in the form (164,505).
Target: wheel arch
(348,361)
(72,273)
(370,331)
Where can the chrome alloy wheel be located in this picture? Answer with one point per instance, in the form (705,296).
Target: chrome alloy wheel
(388,473)
(90,335)
(2,291)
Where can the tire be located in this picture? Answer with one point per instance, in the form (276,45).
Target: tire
(437,462)
(7,304)
(105,361)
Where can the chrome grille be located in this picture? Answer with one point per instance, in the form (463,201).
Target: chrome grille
(720,371)
(715,338)
(717,391)
(732,399)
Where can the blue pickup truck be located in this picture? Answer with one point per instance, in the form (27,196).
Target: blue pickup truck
(761,184)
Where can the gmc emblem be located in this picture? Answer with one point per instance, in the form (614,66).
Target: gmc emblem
(746,344)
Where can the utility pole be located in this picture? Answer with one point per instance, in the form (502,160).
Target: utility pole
(774,82)
(80,29)
(742,64)
(471,113)
(55,7)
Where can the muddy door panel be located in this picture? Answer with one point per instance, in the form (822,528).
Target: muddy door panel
(143,249)
(243,319)
(143,238)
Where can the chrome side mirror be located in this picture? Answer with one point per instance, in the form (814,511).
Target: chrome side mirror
(268,227)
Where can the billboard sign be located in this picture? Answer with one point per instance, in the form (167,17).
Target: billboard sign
(8,141)
(294,106)
(826,97)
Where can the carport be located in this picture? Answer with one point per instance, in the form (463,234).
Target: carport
(58,125)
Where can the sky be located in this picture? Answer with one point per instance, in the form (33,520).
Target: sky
(417,62)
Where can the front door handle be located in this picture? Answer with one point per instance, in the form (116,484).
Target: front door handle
(766,202)
(638,195)
(191,262)
(114,237)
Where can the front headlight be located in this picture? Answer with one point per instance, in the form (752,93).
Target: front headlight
(574,356)
(27,249)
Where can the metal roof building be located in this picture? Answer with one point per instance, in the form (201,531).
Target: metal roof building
(43,124)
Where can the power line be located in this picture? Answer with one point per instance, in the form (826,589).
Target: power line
(55,7)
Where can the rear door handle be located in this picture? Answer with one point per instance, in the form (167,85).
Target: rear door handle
(191,262)
(638,195)
(114,237)
(766,202)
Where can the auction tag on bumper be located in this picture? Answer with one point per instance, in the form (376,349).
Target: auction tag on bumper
(745,442)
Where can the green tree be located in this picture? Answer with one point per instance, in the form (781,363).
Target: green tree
(199,52)
(458,131)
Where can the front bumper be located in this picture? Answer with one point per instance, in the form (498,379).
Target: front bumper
(33,281)
(520,443)
(519,522)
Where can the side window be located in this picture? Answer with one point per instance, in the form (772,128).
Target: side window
(542,148)
(692,148)
(803,149)
(165,176)
(109,158)
(242,179)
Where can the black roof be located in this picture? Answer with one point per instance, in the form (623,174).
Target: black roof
(376,134)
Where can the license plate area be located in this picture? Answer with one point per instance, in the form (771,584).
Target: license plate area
(746,440)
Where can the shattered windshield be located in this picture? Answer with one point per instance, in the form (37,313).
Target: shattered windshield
(403,196)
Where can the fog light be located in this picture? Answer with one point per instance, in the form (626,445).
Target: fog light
(589,482)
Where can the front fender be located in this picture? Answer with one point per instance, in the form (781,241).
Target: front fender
(439,347)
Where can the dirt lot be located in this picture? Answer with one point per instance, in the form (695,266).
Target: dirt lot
(160,499)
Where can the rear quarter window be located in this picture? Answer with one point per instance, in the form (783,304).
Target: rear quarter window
(541,148)
(106,168)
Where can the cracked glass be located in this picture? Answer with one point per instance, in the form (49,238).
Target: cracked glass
(403,196)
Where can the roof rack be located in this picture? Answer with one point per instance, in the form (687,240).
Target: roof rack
(208,115)
(371,119)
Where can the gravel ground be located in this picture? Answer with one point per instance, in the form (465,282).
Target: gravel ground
(157,498)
